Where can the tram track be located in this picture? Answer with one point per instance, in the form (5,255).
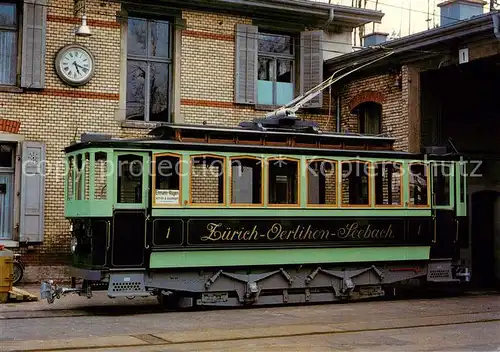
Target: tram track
(172,338)
(153,308)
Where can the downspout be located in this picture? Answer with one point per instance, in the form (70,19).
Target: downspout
(496,25)
(338,114)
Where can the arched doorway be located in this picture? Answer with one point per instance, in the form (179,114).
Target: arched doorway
(485,210)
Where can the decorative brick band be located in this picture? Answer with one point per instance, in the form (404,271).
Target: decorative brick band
(209,103)
(208,35)
(75,20)
(366,96)
(78,94)
(9,126)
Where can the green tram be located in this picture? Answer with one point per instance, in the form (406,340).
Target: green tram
(270,212)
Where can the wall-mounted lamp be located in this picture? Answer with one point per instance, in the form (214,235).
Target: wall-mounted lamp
(80,9)
(83,30)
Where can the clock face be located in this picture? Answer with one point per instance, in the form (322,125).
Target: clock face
(75,65)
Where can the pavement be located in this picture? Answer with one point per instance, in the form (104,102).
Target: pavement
(76,323)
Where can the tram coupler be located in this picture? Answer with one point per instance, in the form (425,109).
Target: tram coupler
(463,272)
(51,291)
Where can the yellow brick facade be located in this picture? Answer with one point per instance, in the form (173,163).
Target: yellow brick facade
(58,113)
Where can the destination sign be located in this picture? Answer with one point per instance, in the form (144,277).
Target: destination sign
(282,232)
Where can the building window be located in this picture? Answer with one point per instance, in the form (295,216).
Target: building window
(275,85)
(369,118)
(8,43)
(149,69)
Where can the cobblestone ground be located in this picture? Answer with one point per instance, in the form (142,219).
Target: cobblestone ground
(470,322)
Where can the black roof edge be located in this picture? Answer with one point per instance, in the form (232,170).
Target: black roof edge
(159,131)
(294,9)
(127,144)
(473,25)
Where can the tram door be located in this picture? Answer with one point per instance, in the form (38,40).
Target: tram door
(131,190)
(443,194)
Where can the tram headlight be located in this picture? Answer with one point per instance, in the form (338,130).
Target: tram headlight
(74,243)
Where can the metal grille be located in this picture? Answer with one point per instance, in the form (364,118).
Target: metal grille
(439,274)
(127,286)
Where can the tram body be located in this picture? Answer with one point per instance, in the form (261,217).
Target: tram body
(246,216)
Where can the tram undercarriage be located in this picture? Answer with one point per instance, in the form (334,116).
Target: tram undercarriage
(270,286)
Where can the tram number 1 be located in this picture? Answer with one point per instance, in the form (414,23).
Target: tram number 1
(168,232)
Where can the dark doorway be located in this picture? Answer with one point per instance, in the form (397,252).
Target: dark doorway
(482,238)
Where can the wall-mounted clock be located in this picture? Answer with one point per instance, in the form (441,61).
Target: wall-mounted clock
(75,64)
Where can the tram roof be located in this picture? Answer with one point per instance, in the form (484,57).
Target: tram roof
(254,137)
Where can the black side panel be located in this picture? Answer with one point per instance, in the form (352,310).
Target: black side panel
(127,243)
(446,233)
(99,241)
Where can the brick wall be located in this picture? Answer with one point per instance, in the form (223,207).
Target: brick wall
(205,184)
(380,89)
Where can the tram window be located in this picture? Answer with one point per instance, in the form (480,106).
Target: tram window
(70,179)
(207,180)
(322,182)
(246,181)
(283,181)
(441,184)
(463,173)
(86,176)
(388,184)
(79,177)
(355,183)
(100,176)
(418,185)
(167,180)
(130,179)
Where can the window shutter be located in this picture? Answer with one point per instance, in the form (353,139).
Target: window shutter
(311,65)
(33,50)
(245,75)
(32,192)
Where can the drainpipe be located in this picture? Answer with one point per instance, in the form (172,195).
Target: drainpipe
(338,114)
(496,25)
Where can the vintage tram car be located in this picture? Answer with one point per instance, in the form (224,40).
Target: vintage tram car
(270,212)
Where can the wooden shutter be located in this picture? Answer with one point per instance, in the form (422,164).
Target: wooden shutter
(245,76)
(33,50)
(311,65)
(32,192)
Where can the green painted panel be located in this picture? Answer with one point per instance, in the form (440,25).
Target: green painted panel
(218,258)
(314,212)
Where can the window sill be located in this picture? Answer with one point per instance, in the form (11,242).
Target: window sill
(140,124)
(267,107)
(9,243)
(11,89)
